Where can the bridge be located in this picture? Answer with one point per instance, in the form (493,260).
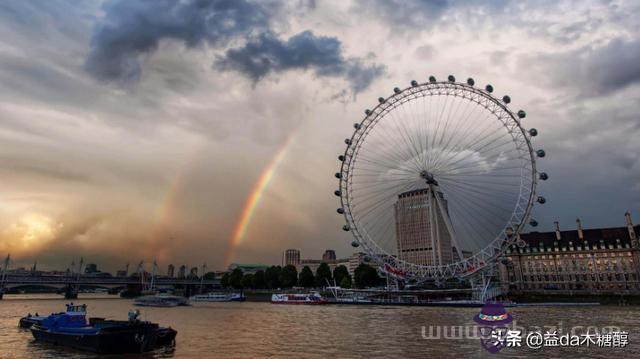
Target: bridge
(74,282)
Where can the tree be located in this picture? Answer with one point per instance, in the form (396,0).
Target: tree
(235,279)
(225,280)
(272,277)
(306,278)
(247,280)
(366,276)
(323,274)
(209,276)
(345,282)
(339,273)
(289,276)
(258,280)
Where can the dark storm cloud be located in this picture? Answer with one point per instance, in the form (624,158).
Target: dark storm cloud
(592,70)
(405,13)
(131,29)
(268,54)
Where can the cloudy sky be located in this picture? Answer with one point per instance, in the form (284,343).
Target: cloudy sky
(137,129)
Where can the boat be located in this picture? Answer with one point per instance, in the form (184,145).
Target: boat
(160,300)
(71,329)
(218,297)
(298,298)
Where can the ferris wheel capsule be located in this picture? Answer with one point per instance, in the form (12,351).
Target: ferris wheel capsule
(541,200)
(414,83)
(521,243)
(355,244)
(341,158)
(337,192)
(346,228)
(506,99)
(347,141)
(381,99)
(432,79)
(470,82)
(356,126)
(338,175)
(367,112)
(489,88)
(522,114)
(540,153)
(396,90)
(340,210)
(533,132)
(533,223)
(543,176)
(451,78)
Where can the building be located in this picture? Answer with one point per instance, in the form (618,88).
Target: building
(171,270)
(121,273)
(291,257)
(193,272)
(329,255)
(579,261)
(91,268)
(418,241)
(182,272)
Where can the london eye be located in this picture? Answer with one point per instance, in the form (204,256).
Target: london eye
(438,179)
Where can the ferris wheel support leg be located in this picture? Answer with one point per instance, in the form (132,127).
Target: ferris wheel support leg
(481,284)
(449,226)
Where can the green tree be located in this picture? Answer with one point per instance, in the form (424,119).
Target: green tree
(339,273)
(289,276)
(247,280)
(366,276)
(209,276)
(306,278)
(235,279)
(224,281)
(323,275)
(345,282)
(258,280)
(272,277)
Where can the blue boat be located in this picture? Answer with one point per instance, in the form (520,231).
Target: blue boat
(99,335)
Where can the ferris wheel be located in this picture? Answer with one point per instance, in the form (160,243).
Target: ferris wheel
(438,179)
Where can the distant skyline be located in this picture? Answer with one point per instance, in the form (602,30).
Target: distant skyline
(208,131)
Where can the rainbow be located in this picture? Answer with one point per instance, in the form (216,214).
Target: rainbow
(250,205)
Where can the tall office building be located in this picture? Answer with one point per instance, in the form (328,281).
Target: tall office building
(182,272)
(421,231)
(171,270)
(291,256)
(329,255)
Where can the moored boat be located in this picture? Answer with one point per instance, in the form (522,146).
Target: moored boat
(218,297)
(160,300)
(99,335)
(298,298)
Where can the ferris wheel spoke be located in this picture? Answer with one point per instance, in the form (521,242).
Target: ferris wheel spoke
(396,151)
(461,145)
(446,149)
(481,190)
(408,140)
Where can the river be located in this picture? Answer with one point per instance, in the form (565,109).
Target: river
(252,330)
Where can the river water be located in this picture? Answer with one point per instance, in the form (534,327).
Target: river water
(256,330)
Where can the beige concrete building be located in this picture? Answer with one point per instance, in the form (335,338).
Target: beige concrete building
(421,231)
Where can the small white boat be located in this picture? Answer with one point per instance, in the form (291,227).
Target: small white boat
(218,297)
(160,300)
(298,298)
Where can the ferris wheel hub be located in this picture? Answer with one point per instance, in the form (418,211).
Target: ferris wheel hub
(428,176)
